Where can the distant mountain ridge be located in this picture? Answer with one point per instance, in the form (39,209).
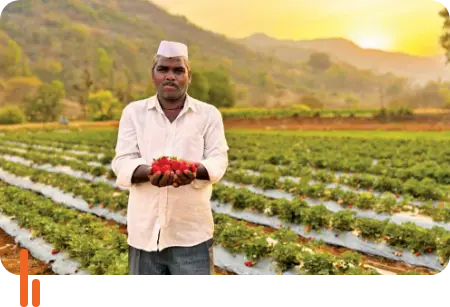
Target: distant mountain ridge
(62,39)
(419,68)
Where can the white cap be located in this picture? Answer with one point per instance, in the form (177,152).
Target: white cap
(172,49)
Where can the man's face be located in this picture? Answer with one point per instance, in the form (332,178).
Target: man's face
(171,78)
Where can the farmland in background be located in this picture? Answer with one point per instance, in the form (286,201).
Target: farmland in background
(291,202)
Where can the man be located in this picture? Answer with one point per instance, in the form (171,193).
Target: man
(170,222)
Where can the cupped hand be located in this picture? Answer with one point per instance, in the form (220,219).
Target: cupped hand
(183,178)
(161,180)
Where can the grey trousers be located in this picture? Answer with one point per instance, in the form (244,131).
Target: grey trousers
(194,260)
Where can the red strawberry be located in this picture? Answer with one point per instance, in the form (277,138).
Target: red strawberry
(248,263)
(417,254)
(55,251)
(397,196)
(165,168)
(350,206)
(428,250)
(163,161)
(184,167)
(156,168)
(175,165)
(193,168)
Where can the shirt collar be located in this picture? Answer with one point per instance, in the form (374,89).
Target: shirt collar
(152,102)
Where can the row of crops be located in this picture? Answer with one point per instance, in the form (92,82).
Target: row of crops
(253,113)
(302,205)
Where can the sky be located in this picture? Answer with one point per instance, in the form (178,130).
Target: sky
(409,26)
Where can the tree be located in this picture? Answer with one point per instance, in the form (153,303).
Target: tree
(221,92)
(102,105)
(11,115)
(47,105)
(319,61)
(19,89)
(104,68)
(445,37)
(11,60)
(445,93)
(83,88)
(351,101)
(312,102)
(199,87)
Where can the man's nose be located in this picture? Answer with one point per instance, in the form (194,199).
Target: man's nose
(170,76)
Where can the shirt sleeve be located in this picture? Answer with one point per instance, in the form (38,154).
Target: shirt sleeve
(216,151)
(128,156)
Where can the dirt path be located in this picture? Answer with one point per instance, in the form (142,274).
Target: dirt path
(10,256)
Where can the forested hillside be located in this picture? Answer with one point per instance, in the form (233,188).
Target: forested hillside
(97,50)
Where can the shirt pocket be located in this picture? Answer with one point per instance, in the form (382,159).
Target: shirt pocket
(191,145)
(154,142)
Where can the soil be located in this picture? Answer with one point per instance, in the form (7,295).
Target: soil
(417,122)
(375,261)
(10,256)
(414,123)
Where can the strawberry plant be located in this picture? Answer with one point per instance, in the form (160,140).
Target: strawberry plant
(286,255)
(284,235)
(418,239)
(443,244)
(370,228)
(317,217)
(257,248)
(344,220)
(319,264)
(82,228)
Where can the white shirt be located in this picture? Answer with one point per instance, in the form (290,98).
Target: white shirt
(183,214)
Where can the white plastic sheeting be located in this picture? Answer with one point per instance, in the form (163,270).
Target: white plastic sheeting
(348,240)
(62,170)
(222,258)
(345,187)
(59,196)
(60,263)
(77,152)
(235,263)
(398,218)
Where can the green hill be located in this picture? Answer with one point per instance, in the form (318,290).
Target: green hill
(111,43)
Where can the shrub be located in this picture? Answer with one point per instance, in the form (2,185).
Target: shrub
(11,115)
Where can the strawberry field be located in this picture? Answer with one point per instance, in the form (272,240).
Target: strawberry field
(288,204)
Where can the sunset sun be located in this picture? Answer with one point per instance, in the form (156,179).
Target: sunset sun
(373,42)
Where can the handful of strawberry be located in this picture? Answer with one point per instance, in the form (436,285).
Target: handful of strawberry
(172,164)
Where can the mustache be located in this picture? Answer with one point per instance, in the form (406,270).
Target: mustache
(169,83)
